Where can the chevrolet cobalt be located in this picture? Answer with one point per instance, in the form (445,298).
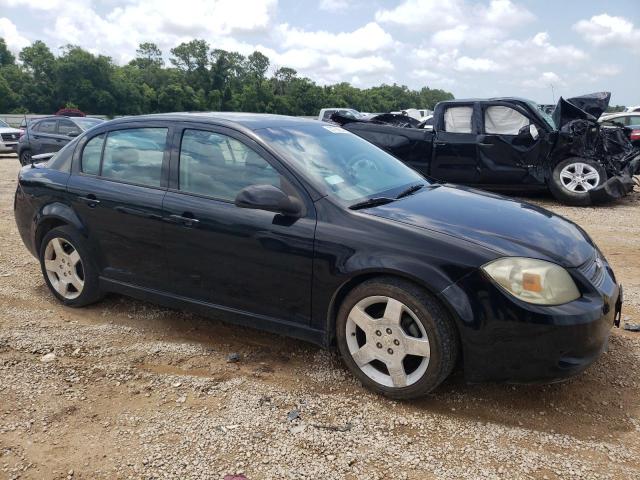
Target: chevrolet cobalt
(304,229)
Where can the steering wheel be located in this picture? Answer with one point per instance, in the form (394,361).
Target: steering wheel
(362,163)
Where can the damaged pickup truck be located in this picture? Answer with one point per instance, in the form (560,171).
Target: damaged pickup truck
(509,144)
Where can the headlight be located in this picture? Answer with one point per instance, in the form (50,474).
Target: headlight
(533,281)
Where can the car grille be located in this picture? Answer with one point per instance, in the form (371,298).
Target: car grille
(594,269)
(9,137)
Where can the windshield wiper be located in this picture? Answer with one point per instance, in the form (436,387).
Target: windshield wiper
(410,190)
(371,202)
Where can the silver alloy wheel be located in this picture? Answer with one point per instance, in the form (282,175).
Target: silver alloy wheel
(579,177)
(64,268)
(387,341)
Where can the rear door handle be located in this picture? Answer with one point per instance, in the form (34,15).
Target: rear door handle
(186,221)
(90,200)
(485,144)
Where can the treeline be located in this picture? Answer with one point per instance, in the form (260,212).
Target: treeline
(198,78)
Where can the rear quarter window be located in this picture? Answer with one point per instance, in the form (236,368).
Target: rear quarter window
(91,154)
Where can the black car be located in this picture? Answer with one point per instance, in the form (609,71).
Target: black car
(50,134)
(304,229)
(510,144)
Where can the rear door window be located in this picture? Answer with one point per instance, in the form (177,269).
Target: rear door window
(135,155)
(501,120)
(46,126)
(458,119)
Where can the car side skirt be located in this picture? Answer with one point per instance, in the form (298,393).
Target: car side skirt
(217,312)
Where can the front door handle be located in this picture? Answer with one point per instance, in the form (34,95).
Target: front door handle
(90,200)
(186,221)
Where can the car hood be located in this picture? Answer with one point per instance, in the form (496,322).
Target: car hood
(506,226)
(9,130)
(584,107)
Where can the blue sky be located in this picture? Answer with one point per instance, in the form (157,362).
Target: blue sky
(473,48)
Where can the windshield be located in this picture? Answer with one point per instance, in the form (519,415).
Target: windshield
(4,124)
(340,163)
(545,116)
(87,123)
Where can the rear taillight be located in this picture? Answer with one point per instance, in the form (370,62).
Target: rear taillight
(635,135)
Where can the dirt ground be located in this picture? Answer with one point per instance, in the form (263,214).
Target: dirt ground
(137,391)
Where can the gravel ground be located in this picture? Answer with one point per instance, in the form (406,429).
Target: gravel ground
(124,389)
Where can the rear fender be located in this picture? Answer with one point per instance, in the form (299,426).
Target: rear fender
(52,215)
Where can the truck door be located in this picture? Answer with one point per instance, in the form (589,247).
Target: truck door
(511,145)
(454,145)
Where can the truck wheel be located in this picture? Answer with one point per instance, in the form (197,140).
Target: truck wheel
(573,178)
(396,338)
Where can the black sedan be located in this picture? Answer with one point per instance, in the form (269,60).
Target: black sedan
(49,134)
(304,229)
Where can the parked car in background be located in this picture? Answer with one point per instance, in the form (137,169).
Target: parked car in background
(511,144)
(633,109)
(326,113)
(8,138)
(50,134)
(419,114)
(300,228)
(629,120)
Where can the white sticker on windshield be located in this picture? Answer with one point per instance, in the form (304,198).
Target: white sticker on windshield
(333,129)
(334,179)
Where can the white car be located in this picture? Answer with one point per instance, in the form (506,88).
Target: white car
(620,118)
(633,109)
(8,138)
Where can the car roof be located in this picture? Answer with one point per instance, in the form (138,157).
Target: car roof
(250,121)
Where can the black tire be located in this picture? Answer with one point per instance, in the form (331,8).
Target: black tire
(25,157)
(566,196)
(90,292)
(437,323)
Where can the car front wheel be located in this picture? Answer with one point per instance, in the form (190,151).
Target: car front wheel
(573,178)
(396,338)
(25,157)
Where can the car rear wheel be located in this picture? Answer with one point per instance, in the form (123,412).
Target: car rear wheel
(67,267)
(573,178)
(395,338)
(25,157)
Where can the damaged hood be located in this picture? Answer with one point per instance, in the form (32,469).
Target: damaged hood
(508,226)
(584,107)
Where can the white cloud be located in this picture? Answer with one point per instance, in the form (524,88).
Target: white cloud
(544,80)
(423,14)
(537,50)
(334,5)
(369,38)
(468,64)
(15,41)
(608,30)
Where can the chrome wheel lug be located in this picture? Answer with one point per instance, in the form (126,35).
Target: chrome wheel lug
(390,351)
(389,331)
(379,345)
(396,342)
(378,332)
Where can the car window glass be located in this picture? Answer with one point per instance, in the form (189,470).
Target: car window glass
(46,126)
(90,162)
(219,166)
(327,114)
(502,120)
(65,127)
(458,119)
(634,120)
(135,155)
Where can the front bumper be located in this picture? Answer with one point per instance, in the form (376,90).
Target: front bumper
(10,147)
(505,339)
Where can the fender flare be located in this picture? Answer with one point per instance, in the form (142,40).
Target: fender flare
(54,213)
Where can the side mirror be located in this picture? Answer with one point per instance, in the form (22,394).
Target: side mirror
(269,198)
